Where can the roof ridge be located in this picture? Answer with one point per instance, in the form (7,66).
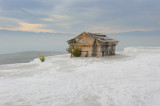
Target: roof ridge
(95,33)
(98,36)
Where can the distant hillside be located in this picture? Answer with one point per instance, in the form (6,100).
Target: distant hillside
(22,57)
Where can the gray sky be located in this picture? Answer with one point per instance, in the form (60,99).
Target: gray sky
(76,16)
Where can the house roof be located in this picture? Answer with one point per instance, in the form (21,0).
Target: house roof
(98,36)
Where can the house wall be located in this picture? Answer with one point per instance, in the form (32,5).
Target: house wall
(105,50)
(102,50)
(85,43)
(86,49)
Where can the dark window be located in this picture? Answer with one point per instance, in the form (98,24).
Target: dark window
(102,53)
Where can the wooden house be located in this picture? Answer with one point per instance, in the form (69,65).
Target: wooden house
(94,44)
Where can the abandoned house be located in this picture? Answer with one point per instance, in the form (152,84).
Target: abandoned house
(94,44)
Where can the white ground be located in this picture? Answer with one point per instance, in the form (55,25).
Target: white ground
(131,78)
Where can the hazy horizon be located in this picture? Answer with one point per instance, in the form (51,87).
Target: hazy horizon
(12,42)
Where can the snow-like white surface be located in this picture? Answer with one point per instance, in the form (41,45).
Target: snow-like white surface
(131,78)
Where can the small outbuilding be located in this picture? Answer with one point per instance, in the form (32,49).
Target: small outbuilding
(94,44)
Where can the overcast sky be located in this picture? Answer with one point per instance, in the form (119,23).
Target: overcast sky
(76,16)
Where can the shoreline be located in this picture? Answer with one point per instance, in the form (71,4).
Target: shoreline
(24,57)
